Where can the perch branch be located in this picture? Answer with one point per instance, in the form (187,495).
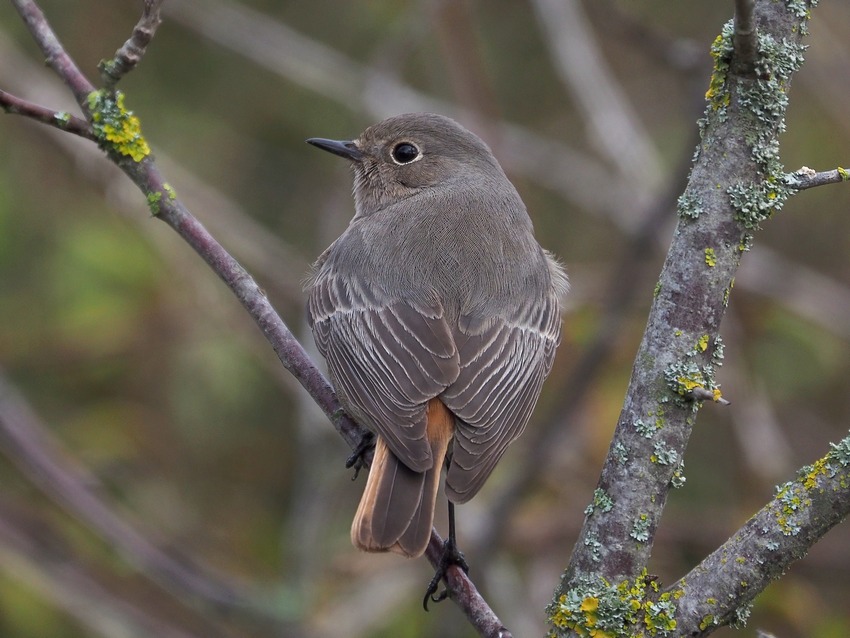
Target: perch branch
(59,119)
(165,205)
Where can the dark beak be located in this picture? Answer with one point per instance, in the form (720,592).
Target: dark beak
(346,149)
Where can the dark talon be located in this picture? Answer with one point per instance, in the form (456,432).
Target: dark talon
(451,556)
(357,460)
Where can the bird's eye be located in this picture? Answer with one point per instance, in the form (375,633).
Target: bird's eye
(405,153)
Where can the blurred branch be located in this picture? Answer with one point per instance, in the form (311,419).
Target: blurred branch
(274,46)
(719,590)
(62,120)
(35,558)
(456,32)
(130,54)
(28,444)
(617,129)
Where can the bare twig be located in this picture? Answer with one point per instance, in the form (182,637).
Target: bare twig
(617,130)
(131,52)
(55,55)
(805,177)
(745,39)
(59,119)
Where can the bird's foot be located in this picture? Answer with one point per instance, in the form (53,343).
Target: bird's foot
(357,460)
(451,556)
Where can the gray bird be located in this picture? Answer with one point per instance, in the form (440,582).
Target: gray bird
(438,314)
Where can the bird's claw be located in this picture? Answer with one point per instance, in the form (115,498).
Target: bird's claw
(451,556)
(357,460)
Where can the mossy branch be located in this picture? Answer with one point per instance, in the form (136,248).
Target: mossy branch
(737,183)
(719,591)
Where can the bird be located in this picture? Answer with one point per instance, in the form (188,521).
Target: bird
(438,314)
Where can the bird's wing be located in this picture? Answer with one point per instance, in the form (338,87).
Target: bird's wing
(386,360)
(503,362)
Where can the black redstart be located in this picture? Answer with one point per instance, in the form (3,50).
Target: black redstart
(438,314)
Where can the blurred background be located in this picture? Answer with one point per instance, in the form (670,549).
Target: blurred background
(162,475)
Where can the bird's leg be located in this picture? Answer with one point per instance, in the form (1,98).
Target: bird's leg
(451,556)
(357,460)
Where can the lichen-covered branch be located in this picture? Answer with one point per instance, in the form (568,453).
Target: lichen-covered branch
(130,54)
(58,119)
(721,588)
(805,177)
(736,184)
(744,40)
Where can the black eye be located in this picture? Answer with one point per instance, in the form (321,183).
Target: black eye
(405,153)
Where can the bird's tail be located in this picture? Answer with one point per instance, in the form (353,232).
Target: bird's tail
(396,512)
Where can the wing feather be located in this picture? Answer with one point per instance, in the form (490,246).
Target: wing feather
(386,361)
(502,368)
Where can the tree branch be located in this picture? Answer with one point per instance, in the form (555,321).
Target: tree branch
(130,54)
(729,194)
(132,156)
(720,589)
(805,177)
(745,39)
(62,120)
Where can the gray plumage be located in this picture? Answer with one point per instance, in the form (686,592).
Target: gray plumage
(436,290)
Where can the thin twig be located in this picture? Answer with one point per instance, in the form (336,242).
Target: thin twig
(55,55)
(745,39)
(130,54)
(805,177)
(59,119)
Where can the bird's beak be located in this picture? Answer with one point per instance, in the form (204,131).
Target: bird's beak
(347,149)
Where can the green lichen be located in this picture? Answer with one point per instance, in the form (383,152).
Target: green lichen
(116,128)
(755,203)
(169,189)
(663,455)
(702,343)
(592,541)
(840,452)
(154,199)
(678,479)
(722,49)
(646,430)
(62,118)
(710,258)
(689,206)
(621,453)
(657,290)
(765,100)
(845,174)
(596,608)
(601,501)
(741,616)
(719,348)
(706,622)
(640,528)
